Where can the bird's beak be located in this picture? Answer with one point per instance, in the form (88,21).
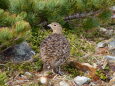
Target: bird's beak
(49,25)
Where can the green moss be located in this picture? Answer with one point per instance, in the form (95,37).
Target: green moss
(36,38)
(11,68)
(72,70)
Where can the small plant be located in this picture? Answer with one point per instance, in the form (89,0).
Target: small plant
(101,75)
(3,78)
(72,70)
(36,65)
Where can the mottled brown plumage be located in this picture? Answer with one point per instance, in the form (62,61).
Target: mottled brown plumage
(54,49)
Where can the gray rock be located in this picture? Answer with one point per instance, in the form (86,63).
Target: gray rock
(110,57)
(101,44)
(80,80)
(111,47)
(18,53)
(22,52)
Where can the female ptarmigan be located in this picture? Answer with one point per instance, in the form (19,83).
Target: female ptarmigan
(55,49)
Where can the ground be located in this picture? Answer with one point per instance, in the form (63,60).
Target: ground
(83,50)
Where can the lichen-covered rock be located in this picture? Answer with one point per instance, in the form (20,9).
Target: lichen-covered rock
(18,53)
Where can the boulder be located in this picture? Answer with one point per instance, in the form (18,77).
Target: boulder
(18,53)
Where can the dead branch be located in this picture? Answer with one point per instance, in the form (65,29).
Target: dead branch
(81,15)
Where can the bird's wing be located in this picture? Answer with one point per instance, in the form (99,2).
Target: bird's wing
(54,46)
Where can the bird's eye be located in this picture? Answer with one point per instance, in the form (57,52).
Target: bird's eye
(54,25)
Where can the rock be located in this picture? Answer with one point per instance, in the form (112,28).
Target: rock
(111,45)
(103,29)
(64,83)
(43,80)
(111,62)
(92,84)
(110,57)
(28,74)
(101,44)
(108,32)
(18,53)
(80,80)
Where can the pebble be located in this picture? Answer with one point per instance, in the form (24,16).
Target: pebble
(107,32)
(103,29)
(111,45)
(43,80)
(64,83)
(101,44)
(80,80)
(28,74)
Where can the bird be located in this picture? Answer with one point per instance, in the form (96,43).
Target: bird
(54,49)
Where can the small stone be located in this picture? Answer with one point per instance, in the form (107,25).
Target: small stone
(43,80)
(109,32)
(64,83)
(103,29)
(80,80)
(101,44)
(28,74)
(111,45)
(92,84)
(110,57)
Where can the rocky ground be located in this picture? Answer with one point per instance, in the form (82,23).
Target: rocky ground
(101,72)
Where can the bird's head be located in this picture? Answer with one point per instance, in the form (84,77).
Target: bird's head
(56,27)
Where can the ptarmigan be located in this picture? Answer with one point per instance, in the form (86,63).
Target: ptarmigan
(54,49)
